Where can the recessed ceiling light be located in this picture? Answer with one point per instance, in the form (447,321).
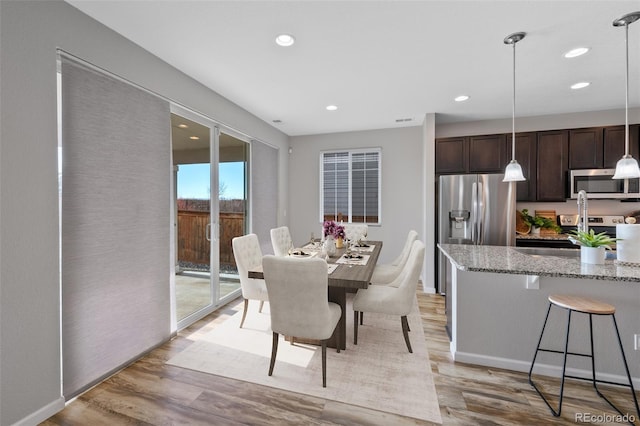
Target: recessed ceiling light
(461,98)
(182,126)
(194,138)
(579,51)
(285,40)
(580,85)
(331,107)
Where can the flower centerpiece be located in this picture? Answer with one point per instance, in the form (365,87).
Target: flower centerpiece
(335,231)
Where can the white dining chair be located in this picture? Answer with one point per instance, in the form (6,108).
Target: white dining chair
(385,274)
(397,299)
(248,255)
(281,241)
(355,231)
(298,292)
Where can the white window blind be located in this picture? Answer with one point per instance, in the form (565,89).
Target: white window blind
(350,186)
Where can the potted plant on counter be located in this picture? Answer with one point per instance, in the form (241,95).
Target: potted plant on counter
(539,222)
(592,245)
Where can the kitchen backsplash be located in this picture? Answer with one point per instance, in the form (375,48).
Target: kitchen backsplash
(596,207)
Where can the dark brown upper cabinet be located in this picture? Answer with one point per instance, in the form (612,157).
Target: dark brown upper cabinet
(452,155)
(552,165)
(526,156)
(487,153)
(586,148)
(614,144)
(471,154)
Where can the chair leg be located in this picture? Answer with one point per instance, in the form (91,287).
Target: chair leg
(355,327)
(361,317)
(244,312)
(261,305)
(405,332)
(339,338)
(324,363)
(274,351)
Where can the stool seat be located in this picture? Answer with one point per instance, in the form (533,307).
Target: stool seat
(582,304)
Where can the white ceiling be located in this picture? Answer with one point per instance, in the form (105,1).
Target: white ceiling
(380,61)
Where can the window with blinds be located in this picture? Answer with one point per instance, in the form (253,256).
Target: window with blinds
(350,186)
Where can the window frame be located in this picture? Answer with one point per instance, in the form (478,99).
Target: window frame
(351,152)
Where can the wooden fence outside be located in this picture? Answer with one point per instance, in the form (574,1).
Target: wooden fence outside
(194,248)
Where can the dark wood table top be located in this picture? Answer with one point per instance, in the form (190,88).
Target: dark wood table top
(345,276)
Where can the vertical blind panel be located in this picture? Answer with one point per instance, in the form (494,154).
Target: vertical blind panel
(264,193)
(115,224)
(336,185)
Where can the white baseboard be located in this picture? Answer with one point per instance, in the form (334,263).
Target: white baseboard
(542,369)
(42,414)
(425,289)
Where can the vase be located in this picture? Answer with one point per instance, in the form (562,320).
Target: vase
(340,243)
(535,230)
(592,255)
(329,246)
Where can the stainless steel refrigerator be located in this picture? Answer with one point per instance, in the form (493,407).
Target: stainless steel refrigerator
(473,209)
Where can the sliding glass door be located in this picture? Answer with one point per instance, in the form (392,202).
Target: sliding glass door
(210,194)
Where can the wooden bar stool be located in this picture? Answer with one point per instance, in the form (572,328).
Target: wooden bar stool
(590,307)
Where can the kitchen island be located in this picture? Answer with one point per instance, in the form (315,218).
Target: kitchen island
(498,300)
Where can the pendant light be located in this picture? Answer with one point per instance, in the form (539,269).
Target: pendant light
(513,171)
(627,166)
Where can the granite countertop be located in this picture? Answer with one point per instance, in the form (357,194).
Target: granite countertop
(513,260)
(542,236)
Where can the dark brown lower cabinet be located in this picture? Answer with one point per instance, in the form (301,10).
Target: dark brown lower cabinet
(553,165)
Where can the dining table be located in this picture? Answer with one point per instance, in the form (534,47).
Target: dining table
(348,271)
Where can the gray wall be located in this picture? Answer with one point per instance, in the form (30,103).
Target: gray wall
(402,183)
(30,32)
(546,122)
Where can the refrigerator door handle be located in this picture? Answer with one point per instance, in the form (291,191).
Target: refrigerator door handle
(480,213)
(474,211)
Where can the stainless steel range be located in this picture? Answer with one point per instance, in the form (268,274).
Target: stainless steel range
(599,224)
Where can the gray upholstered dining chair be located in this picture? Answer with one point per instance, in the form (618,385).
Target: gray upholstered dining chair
(385,274)
(298,291)
(281,241)
(396,299)
(248,255)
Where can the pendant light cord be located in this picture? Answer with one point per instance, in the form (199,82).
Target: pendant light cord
(626,94)
(513,108)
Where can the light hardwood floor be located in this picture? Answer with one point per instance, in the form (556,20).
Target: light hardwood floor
(149,392)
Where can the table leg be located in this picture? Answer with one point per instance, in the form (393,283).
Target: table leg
(339,295)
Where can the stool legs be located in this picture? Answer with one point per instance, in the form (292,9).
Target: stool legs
(564,363)
(593,368)
(626,367)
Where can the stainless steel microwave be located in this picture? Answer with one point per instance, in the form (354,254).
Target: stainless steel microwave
(598,183)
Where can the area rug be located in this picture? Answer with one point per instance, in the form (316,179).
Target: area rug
(377,373)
